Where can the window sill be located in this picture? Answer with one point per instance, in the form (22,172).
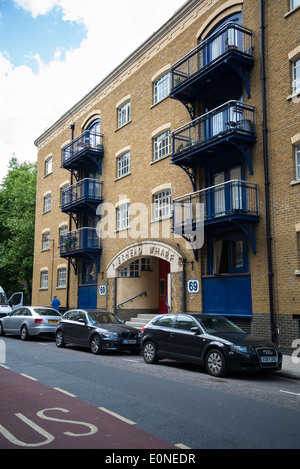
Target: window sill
(295,97)
(122,177)
(161,159)
(122,126)
(292,11)
(156,220)
(160,101)
(294,183)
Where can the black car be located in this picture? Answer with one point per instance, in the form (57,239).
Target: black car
(99,330)
(211,341)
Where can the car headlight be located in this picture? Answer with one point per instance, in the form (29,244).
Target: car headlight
(239,349)
(110,334)
(139,335)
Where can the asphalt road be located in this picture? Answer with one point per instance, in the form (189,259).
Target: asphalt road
(178,404)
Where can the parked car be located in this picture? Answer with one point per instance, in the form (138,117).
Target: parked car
(30,321)
(210,341)
(99,330)
(7,306)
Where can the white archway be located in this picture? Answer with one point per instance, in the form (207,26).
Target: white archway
(146,249)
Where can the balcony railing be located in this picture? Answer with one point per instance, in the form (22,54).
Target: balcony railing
(80,241)
(232,119)
(86,190)
(88,141)
(231,39)
(231,199)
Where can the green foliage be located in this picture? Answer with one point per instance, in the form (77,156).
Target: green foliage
(17,219)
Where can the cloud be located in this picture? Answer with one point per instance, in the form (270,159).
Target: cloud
(32,99)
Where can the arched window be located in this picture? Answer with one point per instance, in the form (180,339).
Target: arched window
(94,130)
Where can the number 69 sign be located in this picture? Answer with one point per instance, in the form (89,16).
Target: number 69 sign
(193,286)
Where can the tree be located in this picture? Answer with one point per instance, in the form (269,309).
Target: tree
(17,220)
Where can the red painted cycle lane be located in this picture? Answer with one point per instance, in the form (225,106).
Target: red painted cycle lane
(33,415)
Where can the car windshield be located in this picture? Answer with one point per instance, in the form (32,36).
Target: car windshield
(46,312)
(219,324)
(3,299)
(108,318)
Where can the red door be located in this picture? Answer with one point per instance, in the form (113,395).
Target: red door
(164,269)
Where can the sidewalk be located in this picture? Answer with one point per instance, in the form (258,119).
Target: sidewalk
(290,369)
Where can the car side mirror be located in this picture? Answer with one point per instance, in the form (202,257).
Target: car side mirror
(196,330)
(82,321)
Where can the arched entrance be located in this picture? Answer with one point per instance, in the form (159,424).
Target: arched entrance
(142,274)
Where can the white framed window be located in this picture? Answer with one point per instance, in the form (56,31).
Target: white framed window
(47,203)
(136,267)
(296,76)
(45,241)
(62,277)
(162,204)
(63,230)
(48,166)
(124,112)
(123,164)
(162,87)
(162,145)
(295,4)
(123,217)
(297,151)
(44,279)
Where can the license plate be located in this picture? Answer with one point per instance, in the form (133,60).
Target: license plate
(52,321)
(268,359)
(127,342)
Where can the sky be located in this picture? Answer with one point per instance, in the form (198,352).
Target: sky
(53,52)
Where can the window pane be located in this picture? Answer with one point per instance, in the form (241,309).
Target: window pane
(296,76)
(162,145)
(124,114)
(162,205)
(162,88)
(124,164)
(123,217)
(298,162)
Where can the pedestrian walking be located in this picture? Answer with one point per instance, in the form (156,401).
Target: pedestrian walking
(55,303)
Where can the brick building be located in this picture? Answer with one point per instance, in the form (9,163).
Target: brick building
(174,184)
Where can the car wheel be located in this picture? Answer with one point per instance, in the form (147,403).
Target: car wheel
(24,333)
(96,345)
(59,339)
(215,363)
(150,353)
(1,329)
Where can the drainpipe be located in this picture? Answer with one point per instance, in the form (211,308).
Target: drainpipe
(72,126)
(266,171)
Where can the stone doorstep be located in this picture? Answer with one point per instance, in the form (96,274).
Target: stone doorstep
(141,320)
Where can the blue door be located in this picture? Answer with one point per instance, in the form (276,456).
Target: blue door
(87,297)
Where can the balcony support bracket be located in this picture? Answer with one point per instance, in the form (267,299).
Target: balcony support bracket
(249,230)
(191,241)
(245,76)
(191,172)
(246,150)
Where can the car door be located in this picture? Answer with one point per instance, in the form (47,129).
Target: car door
(185,344)
(161,330)
(81,329)
(8,321)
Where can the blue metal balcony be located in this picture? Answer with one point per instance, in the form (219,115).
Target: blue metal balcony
(222,207)
(81,241)
(80,152)
(219,133)
(85,193)
(208,69)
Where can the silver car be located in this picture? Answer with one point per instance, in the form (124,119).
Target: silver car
(30,321)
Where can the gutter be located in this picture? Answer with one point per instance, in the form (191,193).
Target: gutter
(266,171)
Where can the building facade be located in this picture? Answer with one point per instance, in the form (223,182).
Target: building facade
(174,184)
